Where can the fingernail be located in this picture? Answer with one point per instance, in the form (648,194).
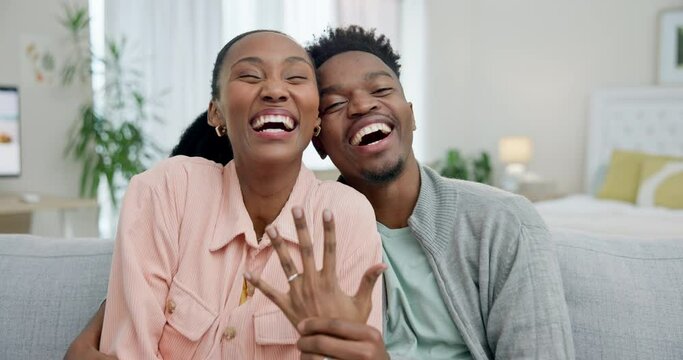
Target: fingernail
(272,233)
(247,276)
(381,270)
(327,215)
(297,212)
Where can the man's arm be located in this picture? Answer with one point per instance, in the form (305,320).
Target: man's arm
(527,314)
(86,344)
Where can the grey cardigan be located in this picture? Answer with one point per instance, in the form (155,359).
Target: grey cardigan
(495,267)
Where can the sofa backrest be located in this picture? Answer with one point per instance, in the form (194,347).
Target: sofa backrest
(49,289)
(625,296)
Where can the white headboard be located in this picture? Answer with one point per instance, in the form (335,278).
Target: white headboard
(644,119)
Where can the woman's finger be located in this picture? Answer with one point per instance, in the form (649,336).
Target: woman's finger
(282,253)
(330,248)
(367,283)
(305,245)
(275,296)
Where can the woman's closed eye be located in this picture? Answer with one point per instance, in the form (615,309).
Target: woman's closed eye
(297,78)
(249,77)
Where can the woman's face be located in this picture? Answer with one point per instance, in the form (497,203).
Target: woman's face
(268,99)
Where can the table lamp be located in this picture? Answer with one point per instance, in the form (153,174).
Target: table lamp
(515,152)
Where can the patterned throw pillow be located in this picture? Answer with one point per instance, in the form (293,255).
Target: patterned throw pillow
(624,174)
(661,184)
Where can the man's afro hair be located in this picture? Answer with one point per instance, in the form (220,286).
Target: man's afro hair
(353,38)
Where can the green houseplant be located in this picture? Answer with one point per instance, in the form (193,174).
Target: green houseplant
(481,168)
(457,166)
(108,138)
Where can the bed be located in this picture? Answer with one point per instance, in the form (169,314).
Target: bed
(641,119)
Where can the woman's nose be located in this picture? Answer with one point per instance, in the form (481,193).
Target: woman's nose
(274,91)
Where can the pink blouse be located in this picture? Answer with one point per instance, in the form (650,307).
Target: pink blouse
(185,239)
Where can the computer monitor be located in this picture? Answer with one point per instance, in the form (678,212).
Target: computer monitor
(10,139)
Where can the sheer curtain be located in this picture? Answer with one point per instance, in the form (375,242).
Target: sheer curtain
(173,44)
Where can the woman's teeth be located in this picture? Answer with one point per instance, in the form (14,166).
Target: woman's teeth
(369,129)
(272,123)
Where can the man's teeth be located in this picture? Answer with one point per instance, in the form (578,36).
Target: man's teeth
(262,120)
(369,129)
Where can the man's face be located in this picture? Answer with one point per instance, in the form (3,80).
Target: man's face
(367,124)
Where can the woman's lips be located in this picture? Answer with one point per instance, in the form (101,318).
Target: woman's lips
(274,117)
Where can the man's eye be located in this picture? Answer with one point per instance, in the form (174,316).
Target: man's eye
(333,107)
(382,91)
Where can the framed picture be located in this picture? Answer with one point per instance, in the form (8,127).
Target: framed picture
(10,147)
(671,47)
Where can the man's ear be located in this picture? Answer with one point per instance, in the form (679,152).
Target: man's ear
(215,117)
(412,116)
(319,148)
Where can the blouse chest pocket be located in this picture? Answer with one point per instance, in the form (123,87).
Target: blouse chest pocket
(272,327)
(187,313)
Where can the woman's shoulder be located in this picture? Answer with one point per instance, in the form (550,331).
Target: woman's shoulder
(178,170)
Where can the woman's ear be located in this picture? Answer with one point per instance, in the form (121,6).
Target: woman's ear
(214,115)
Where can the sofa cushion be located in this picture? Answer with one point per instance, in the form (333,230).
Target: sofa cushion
(50,289)
(625,296)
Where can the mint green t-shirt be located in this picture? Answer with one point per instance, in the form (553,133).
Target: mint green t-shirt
(414,304)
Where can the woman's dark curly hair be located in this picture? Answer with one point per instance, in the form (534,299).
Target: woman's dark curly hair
(353,38)
(200,139)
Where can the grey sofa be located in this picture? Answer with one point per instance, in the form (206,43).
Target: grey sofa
(625,297)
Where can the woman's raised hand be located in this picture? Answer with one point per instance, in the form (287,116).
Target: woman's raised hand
(316,293)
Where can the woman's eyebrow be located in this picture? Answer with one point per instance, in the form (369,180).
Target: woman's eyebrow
(259,61)
(249,59)
(293,59)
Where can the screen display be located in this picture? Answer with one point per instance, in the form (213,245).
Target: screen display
(10,148)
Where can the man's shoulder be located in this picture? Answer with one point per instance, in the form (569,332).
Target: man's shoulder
(478,200)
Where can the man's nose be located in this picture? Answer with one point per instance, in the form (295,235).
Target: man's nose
(361,104)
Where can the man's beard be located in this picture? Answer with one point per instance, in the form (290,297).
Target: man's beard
(385,175)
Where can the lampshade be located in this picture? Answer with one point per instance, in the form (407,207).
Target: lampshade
(515,149)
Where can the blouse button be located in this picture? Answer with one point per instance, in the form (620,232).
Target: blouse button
(170,306)
(229,333)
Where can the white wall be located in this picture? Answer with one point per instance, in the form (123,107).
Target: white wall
(47,113)
(527,67)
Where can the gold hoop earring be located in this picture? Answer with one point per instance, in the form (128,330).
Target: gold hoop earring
(316,130)
(221,130)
